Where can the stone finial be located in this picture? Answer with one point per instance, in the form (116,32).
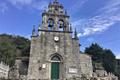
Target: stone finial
(55,0)
(39,27)
(70,27)
(65,12)
(33,31)
(75,34)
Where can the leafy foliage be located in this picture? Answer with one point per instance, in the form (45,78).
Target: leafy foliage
(109,60)
(95,51)
(102,56)
(23,45)
(12,47)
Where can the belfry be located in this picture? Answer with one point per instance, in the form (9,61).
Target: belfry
(55,53)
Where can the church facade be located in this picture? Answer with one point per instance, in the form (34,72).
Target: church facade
(55,52)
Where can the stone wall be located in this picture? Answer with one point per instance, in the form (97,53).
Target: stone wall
(86,65)
(4,70)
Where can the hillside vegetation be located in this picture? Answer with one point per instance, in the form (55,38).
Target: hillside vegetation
(12,47)
(104,57)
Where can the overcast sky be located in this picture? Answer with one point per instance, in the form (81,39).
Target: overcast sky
(96,20)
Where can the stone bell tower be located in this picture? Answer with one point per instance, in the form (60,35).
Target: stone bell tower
(54,52)
(56,18)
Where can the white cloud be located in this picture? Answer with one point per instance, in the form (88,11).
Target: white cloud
(37,4)
(90,39)
(40,5)
(3,7)
(93,26)
(111,6)
(21,2)
(108,16)
(118,56)
(77,5)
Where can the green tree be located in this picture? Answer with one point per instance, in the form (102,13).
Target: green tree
(22,45)
(95,51)
(7,52)
(12,47)
(109,60)
(105,57)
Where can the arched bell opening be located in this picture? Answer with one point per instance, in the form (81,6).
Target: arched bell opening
(50,23)
(61,25)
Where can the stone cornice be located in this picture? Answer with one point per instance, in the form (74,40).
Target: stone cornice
(55,31)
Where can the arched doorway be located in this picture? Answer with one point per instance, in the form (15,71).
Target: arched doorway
(55,67)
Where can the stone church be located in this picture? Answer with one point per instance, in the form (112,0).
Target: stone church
(55,52)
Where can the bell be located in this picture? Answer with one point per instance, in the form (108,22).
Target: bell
(61,26)
(51,22)
(50,25)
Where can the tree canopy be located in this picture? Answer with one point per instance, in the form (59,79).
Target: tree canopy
(12,47)
(102,56)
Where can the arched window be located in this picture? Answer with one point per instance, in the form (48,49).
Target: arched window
(50,23)
(61,25)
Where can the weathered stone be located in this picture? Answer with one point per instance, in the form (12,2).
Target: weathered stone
(55,53)
(57,41)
